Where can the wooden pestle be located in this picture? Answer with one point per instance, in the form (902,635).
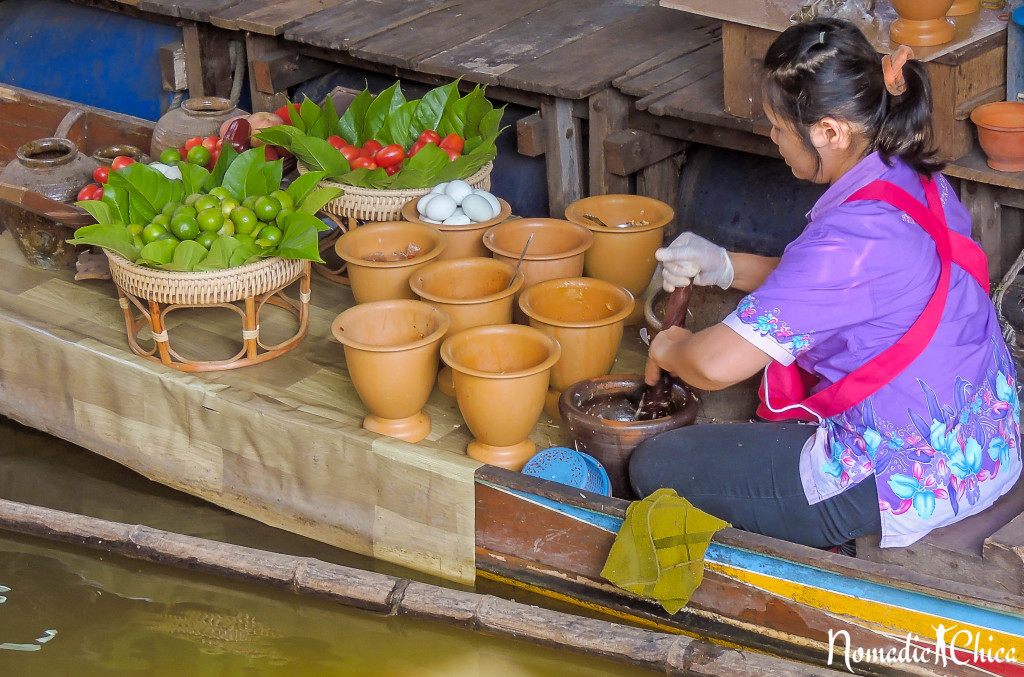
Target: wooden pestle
(656,400)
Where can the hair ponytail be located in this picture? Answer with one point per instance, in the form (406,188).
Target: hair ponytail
(906,128)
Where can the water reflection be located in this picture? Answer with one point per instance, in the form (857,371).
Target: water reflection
(114,616)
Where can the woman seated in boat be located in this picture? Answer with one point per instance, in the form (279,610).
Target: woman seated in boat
(882,303)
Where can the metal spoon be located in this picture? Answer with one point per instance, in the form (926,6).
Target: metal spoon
(602,223)
(515,271)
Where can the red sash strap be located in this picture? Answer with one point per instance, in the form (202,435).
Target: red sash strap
(788,387)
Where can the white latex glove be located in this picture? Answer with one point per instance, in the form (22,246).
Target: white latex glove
(691,258)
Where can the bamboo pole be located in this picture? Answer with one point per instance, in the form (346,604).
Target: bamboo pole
(383,594)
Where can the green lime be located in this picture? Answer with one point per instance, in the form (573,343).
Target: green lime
(266,208)
(152,232)
(210,220)
(207,238)
(162,219)
(185,229)
(183,214)
(170,207)
(138,241)
(220,192)
(166,236)
(199,155)
(244,219)
(250,200)
(283,215)
(135,229)
(269,236)
(206,202)
(283,197)
(169,156)
(228,228)
(191,198)
(227,205)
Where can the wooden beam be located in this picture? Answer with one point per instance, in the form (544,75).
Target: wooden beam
(257,47)
(278,70)
(530,135)
(630,150)
(563,156)
(609,110)
(207,60)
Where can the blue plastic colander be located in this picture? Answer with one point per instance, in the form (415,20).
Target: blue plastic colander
(571,467)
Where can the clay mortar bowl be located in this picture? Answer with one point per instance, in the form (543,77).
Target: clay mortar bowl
(962,7)
(472,291)
(463,241)
(921,23)
(382,280)
(586,317)
(622,256)
(598,414)
(391,351)
(1001,134)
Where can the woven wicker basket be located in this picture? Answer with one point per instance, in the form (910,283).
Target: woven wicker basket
(206,287)
(370,204)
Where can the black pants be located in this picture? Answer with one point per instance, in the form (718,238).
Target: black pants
(748,474)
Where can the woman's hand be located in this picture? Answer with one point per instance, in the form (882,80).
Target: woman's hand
(663,347)
(691,258)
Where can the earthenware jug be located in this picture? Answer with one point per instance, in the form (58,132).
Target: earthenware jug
(474,291)
(921,23)
(391,350)
(105,156)
(501,376)
(200,116)
(55,168)
(586,317)
(382,257)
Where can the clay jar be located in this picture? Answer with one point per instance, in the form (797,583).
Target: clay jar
(501,376)
(921,22)
(55,168)
(380,280)
(598,414)
(391,350)
(622,256)
(1001,134)
(962,7)
(473,292)
(195,117)
(105,156)
(586,317)
(556,251)
(463,241)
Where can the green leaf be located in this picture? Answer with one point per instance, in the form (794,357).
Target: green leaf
(113,236)
(319,155)
(296,120)
(490,123)
(379,109)
(300,240)
(310,115)
(279,135)
(398,128)
(350,126)
(245,175)
(316,199)
(273,171)
(329,117)
(193,177)
(98,209)
(159,252)
(117,199)
(220,253)
(454,119)
(224,160)
(432,105)
(187,255)
(148,190)
(477,106)
(244,253)
(304,185)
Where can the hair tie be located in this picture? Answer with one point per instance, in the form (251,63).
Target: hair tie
(821,38)
(892,69)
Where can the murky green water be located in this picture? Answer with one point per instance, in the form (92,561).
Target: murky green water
(71,611)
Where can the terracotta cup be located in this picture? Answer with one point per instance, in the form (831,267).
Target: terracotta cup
(962,7)
(585,316)
(622,256)
(391,350)
(381,280)
(473,292)
(1001,134)
(556,251)
(921,22)
(501,377)
(463,241)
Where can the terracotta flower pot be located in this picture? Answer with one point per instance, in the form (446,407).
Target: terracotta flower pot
(585,316)
(391,350)
(380,280)
(473,292)
(556,251)
(962,7)
(622,256)
(921,22)
(1001,134)
(463,241)
(200,116)
(597,413)
(501,377)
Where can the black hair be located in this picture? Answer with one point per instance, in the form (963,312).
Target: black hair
(827,68)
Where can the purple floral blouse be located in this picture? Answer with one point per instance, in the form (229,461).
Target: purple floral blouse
(943,437)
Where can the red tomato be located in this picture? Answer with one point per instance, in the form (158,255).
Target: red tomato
(373,145)
(454,142)
(417,146)
(193,142)
(389,155)
(430,136)
(285,112)
(214,154)
(93,191)
(271,154)
(220,143)
(367,152)
(101,174)
(453,155)
(393,169)
(210,143)
(120,162)
(183,152)
(364,163)
(350,152)
(337,141)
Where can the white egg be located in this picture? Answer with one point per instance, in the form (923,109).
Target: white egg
(421,204)
(428,220)
(440,208)
(457,220)
(439,188)
(458,189)
(477,208)
(493,201)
